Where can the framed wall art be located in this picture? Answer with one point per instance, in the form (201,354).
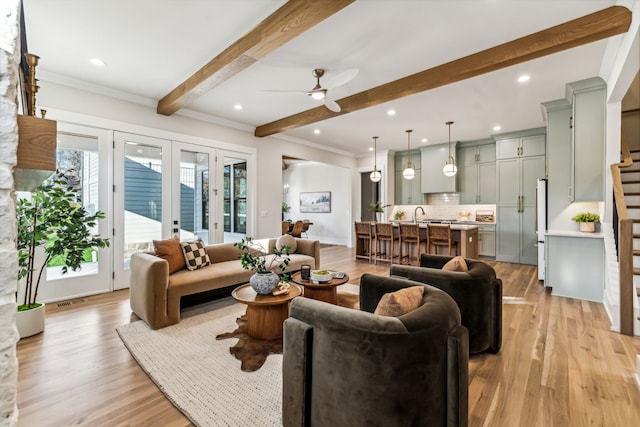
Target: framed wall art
(317,202)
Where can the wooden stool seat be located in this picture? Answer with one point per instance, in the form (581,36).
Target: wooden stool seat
(440,236)
(410,240)
(385,239)
(364,241)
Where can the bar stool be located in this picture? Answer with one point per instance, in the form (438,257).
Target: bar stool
(410,239)
(364,241)
(440,235)
(384,237)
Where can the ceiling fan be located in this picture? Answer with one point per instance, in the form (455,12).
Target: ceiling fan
(321,93)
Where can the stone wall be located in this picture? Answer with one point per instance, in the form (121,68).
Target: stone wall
(9,55)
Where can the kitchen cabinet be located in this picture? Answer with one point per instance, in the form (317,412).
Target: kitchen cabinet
(477,169)
(574,264)
(560,191)
(433,160)
(516,238)
(408,192)
(487,241)
(525,146)
(588,100)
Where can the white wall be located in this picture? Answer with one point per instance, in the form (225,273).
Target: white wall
(334,227)
(68,104)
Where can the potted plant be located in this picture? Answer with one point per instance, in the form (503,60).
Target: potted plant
(377,208)
(51,219)
(587,221)
(255,257)
(399,214)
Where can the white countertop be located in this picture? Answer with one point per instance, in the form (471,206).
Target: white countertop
(454,225)
(571,233)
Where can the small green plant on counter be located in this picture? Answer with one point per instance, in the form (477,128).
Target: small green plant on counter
(586,217)
(399,214)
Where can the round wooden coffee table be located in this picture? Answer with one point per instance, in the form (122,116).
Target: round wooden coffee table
(321,291)
(265,313)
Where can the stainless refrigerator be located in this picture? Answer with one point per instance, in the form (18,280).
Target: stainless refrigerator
(541,223)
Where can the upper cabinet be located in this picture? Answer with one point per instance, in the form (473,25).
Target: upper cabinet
(588,100)
(525,146)
(408,192)
(477,169)
(433,160)
(576,143)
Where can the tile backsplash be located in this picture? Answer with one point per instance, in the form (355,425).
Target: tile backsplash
(442,207)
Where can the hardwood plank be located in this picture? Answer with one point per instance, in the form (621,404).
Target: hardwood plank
(596,26)
(560,364)
(286,23)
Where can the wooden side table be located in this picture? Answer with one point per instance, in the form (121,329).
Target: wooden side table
(321,291)
(265,313)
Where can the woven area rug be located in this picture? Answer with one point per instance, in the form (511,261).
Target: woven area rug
(198,374)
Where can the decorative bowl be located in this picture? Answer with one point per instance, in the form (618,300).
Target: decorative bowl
(321,275)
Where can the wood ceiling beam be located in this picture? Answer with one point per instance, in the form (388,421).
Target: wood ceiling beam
(286,23)
(596,26)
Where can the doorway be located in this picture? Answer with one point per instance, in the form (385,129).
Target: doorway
(370,194)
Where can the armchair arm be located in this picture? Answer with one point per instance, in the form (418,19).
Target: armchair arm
(496,317)
(148,288)
(458,377)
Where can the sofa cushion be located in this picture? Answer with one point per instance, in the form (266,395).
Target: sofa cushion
(195,254)
(456,264)
(400,302)
(171,251)
(287,240)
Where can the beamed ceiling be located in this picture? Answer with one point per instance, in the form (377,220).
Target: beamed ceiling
(430,61)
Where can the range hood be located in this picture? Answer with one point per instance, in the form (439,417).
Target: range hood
(36,152)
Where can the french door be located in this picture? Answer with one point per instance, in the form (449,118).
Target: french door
(162,189)
(83,154)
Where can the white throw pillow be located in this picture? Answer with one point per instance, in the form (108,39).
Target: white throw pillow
(287,240)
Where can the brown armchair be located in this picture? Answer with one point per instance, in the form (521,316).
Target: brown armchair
(478,293)
(345,367)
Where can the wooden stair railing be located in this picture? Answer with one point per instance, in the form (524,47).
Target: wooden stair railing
(625,243)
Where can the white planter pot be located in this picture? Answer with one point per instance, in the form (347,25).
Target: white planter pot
(30,322)
(588,227)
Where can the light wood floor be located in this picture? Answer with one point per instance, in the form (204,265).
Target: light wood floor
(559,365)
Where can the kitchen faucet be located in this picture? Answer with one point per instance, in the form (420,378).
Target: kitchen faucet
(415,213)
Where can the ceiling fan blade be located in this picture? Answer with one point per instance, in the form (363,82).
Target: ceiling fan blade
(332,105)
(284,91)
(344,77)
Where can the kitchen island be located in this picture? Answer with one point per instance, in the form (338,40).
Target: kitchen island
(466,235)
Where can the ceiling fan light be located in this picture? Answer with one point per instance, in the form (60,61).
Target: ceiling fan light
(375,176)
(318,95)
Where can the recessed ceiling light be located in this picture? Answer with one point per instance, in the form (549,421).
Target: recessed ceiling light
(316,131)
(391,112)
(524,78)
(424,140)
(238,107)
(139,150)
(497,127)
(97,62)
(370,148)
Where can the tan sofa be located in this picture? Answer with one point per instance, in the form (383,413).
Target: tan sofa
(155,294)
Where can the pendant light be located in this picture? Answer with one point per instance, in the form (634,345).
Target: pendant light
(449,168)
(409,172)
(375,175)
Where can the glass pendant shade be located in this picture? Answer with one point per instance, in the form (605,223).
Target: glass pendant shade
(375,176)
(409,172)
(449,168)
